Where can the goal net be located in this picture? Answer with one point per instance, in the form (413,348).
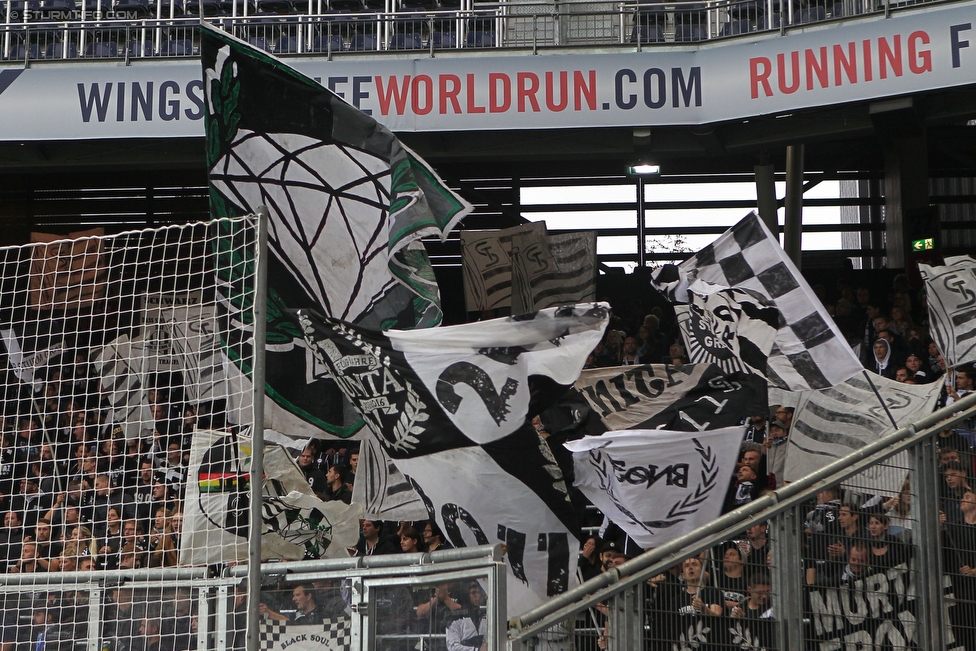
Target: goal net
(126,412)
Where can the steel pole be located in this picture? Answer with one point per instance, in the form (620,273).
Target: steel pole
(259,318)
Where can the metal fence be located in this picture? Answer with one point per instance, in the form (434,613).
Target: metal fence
(35,30)
(875,551)
(363,603)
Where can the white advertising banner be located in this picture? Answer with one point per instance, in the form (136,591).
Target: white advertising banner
(913,51)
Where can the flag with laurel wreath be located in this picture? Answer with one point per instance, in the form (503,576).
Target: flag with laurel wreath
(348,204)
(657,484)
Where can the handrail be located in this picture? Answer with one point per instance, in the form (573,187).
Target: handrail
(657,560)
(714,19)
(491,553)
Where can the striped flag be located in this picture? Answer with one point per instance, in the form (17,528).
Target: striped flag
(554,270)
(486,259)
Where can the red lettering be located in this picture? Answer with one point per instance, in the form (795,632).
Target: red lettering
(581,89)
(888,55)
(551,103)
(919,61)
(527,90)
(472,107)
(397,94)
(427,94)
(758,76)
(449,93)
(817,67)
(848,62)
(868,68)
(496,105)
(781,69)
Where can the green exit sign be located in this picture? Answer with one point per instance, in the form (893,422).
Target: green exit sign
(926,244)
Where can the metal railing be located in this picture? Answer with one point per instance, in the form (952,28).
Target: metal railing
(134,29)
(808,594)
(361,603)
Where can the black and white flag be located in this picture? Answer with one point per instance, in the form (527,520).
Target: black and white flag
(486,260)
(382,489)
(553,270)
(831,423)
(951,294)
(735,329)
(691,397)
(657,484)
(809,351)
(452,407)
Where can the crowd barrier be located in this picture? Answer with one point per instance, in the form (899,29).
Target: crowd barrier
(64,30)
(770,576)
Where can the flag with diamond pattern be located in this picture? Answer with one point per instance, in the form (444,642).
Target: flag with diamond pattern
(452,408)
(809,351)
(347,204)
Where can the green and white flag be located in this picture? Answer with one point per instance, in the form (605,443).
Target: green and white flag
(348,204)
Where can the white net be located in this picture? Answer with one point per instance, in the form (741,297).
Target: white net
(120,352)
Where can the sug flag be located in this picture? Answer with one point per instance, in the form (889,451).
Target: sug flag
(951,294)
(809,351)
(831,423)
(525,268)
(452,407)
(348,204)
(655,484)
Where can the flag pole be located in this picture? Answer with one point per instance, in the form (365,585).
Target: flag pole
(259,319)
(884,405)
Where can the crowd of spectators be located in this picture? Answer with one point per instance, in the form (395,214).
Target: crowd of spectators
(77,494)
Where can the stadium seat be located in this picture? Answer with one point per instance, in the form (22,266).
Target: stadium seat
(481,39)
(57,51)
(20,52)
(259,42)
(138,7)
(734,27)
(363,42)
(406,42)
(279,6)
(813,14)
(164,6)
(49,7)
(375,5)
(134,50)
(102,49)
(647,34)
(328,43)
(227,7)
(286,45)
(442,40)
(176,48)
(762,23)
(210,8)
(346,5)
(687,33)
(94,6)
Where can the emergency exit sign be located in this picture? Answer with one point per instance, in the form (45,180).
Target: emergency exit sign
(926,244)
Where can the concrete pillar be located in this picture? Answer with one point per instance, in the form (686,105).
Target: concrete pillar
(906,189)
(793,223)
(766,196)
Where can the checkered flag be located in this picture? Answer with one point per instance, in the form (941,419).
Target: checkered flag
(809,352)
(269,632)
(332,635)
